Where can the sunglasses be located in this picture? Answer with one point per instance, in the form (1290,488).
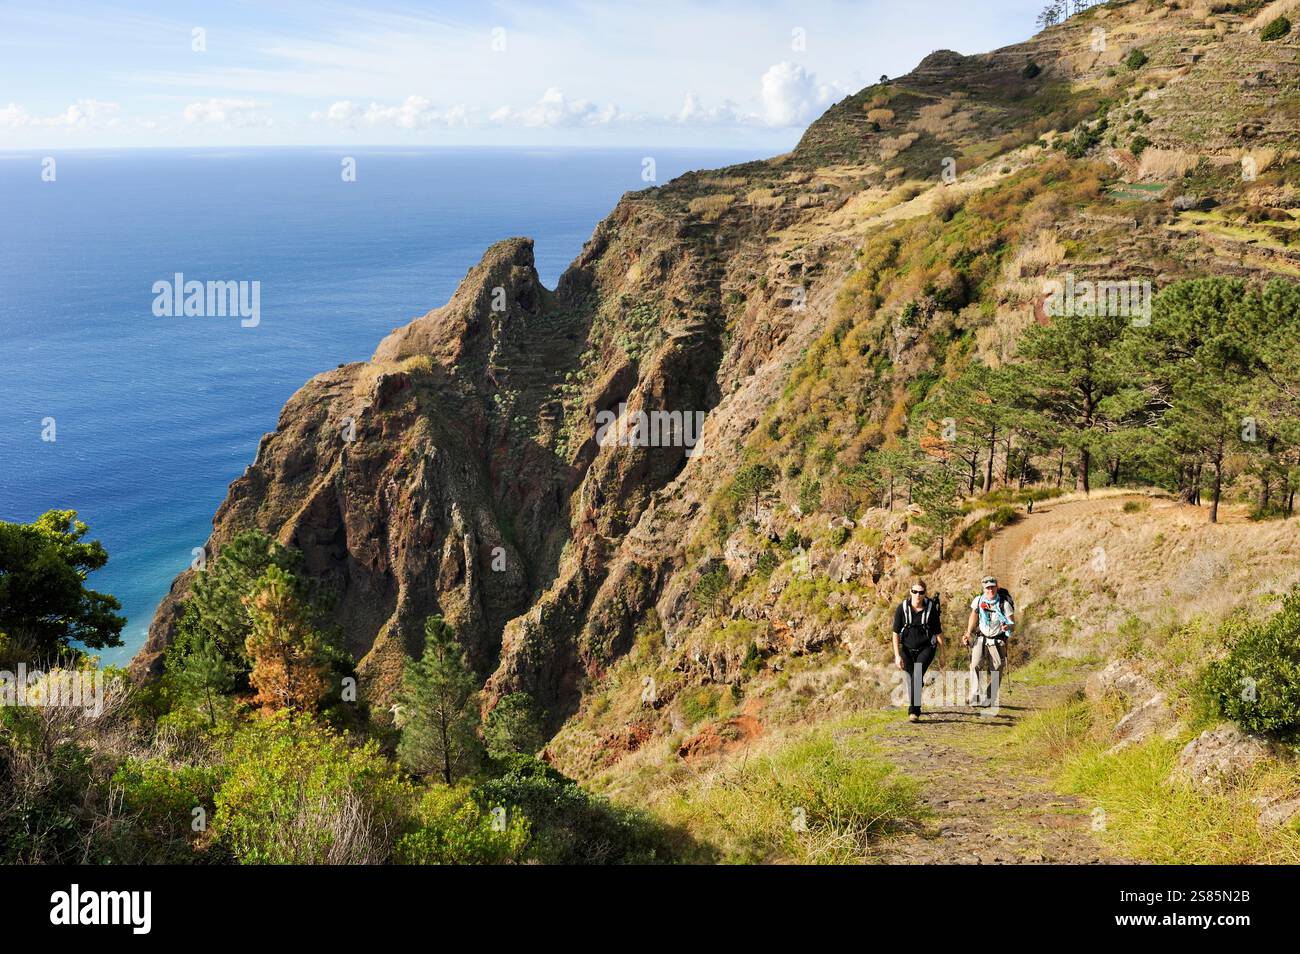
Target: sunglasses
(918,592)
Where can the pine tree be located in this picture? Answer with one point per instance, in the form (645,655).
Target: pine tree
(752,482)
(216,610)
(206,674)
(1201,359)
(291,660)
(439,708)
(1072,370)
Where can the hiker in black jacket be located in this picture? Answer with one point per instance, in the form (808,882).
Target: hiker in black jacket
(916,638)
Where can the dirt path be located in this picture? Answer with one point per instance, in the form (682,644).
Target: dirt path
(1002,553)
(987,806)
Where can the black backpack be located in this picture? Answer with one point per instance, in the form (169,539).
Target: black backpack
(918,623)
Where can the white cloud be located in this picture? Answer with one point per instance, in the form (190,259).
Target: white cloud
(415,112)
(83,114)
(791,95)
(555,109)
(693,113)
(13,116)
(228,113)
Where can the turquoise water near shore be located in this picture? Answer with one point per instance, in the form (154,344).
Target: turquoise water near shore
(154,416)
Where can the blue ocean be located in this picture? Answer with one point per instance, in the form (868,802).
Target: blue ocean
(154,416)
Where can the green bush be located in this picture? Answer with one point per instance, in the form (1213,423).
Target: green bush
(48,787)
(1270,512)
(567,824)
(296,792)
(1031,70)
(810,495)
(1136,59)
(160,802)
(1257,685)
(1276,30)
(453,830)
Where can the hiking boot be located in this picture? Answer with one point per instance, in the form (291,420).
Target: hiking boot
(913,717)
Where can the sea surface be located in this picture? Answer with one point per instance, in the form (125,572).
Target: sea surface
(153,417)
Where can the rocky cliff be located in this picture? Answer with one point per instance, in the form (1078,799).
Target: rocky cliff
(459,471)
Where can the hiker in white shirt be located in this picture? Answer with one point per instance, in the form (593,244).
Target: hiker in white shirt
(992,614)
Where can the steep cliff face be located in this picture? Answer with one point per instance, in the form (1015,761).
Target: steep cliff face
(459,470)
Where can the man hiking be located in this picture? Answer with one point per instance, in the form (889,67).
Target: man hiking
(916,637)
(992,613)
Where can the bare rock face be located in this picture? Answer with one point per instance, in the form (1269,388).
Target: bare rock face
(1120,678)
(1150,718)
(1278,812)
(1149,711)
(1218,758)
(397,479)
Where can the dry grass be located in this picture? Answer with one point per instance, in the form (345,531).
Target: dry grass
(710,207)
(1271,12)
(891,146)
(1164,164)
(882,116)
(1263,158)
(368,374)
(1036,256)
(763,198)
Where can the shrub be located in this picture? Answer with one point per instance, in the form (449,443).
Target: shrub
(160,802)
(296,792)
(810,495)
(568,825)
(1031,70)
(1257,685)
(698,704)
(1136,59)
(1276,30)
(1269,512)
(453,830)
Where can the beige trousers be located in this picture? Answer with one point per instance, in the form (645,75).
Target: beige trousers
(985,648)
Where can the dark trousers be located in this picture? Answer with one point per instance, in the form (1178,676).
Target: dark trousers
(917,662)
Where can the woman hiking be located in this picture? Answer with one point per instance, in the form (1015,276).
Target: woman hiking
(916,638)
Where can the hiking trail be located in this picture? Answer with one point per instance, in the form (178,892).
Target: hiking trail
(986,806)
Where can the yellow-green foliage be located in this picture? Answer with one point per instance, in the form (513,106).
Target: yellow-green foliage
(822,798)
(1143,815)
(1152,819)
(453,830)
(705,702)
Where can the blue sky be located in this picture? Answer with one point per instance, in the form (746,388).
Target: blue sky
(670,72)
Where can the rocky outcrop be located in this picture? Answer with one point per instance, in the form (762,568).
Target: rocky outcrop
(1149,712)
(400,482)
(1218,758)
